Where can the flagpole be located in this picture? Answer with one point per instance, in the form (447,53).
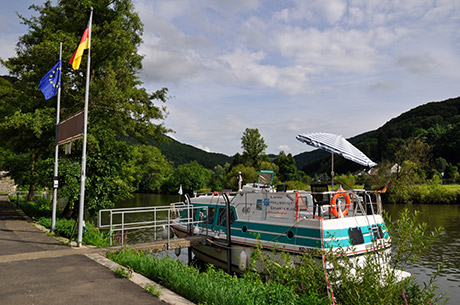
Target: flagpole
(85,130)
(56,152)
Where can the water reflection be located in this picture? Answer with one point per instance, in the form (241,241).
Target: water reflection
(445,250)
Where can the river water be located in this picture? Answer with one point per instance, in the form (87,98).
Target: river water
(445,250)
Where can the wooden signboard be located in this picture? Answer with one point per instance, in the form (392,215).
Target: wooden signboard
(70,129)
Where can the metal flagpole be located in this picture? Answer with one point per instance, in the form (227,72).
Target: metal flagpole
(56,153)
(85,130)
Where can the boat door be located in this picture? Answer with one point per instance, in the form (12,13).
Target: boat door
(221,221)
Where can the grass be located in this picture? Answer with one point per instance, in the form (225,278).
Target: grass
(213,286)
(122,272)
(40,209)
(153,290)
(91,236)
(452,187)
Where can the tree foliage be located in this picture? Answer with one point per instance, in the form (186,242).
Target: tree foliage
(192,176)
(118,105)
(286,164)
(253,145)
(150,168)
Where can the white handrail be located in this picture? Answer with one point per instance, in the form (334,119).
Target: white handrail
(123,225)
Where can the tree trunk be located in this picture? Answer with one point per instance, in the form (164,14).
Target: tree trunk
(31,195)
(68,210)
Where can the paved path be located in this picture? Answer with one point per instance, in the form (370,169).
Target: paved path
(36,269)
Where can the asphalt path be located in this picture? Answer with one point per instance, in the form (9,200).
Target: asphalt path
(36,268)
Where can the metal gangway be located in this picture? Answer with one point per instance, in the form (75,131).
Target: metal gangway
(159,218)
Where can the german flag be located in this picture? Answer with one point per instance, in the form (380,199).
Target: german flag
(75,60)
(382,189)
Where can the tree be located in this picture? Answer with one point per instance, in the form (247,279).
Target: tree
(150,168)
(218,177)
(287,169)
(416,152)
(248,173)
(192,176)
(119,106)
(253,146)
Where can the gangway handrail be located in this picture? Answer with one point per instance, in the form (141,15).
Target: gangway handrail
(154,223)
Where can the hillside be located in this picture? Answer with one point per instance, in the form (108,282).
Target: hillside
(180,153)
(435,123)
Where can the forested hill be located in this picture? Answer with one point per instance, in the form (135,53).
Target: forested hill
(180,153)
(435,123)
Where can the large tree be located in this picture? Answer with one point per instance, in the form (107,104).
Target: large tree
(253,145)
(118,106)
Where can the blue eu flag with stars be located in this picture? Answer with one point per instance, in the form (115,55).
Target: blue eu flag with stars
(51,81)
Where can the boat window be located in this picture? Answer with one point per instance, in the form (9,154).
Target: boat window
(222,220)
(211,212)
(202,214)
(194,213)
(356,236)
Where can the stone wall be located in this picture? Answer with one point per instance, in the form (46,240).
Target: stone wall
(7,185)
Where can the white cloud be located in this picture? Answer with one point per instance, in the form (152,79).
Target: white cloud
(287,67)
(284,148)
(335,48)
(205,148)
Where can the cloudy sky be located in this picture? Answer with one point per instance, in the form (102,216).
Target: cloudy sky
(288,67)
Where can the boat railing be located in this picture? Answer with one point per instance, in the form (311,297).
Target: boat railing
(361,203)
(155,217)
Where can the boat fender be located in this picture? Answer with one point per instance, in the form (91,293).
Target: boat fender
(334,204)
(243,263)
(164,233)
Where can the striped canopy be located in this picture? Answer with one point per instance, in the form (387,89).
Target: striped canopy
(335,144)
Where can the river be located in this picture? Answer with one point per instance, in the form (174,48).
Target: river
(445,250)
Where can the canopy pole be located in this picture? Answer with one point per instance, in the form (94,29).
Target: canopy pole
(332,171)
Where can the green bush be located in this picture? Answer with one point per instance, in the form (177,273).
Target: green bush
(425,193)
(91,236)
(38,208)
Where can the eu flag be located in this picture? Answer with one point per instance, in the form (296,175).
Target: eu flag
(51,81)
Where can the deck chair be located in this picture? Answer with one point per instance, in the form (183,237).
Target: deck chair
(318,198)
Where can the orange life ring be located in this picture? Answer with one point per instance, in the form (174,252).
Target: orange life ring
(340,193)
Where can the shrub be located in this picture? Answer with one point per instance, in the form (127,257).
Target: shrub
(91,236)
(38,208)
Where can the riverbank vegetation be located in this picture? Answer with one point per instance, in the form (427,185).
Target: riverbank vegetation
(306,282)
(39,210)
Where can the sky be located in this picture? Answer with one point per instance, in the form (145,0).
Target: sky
(287,67)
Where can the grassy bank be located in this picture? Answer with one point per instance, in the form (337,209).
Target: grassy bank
(430,193)
(40,210)
(213,286)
